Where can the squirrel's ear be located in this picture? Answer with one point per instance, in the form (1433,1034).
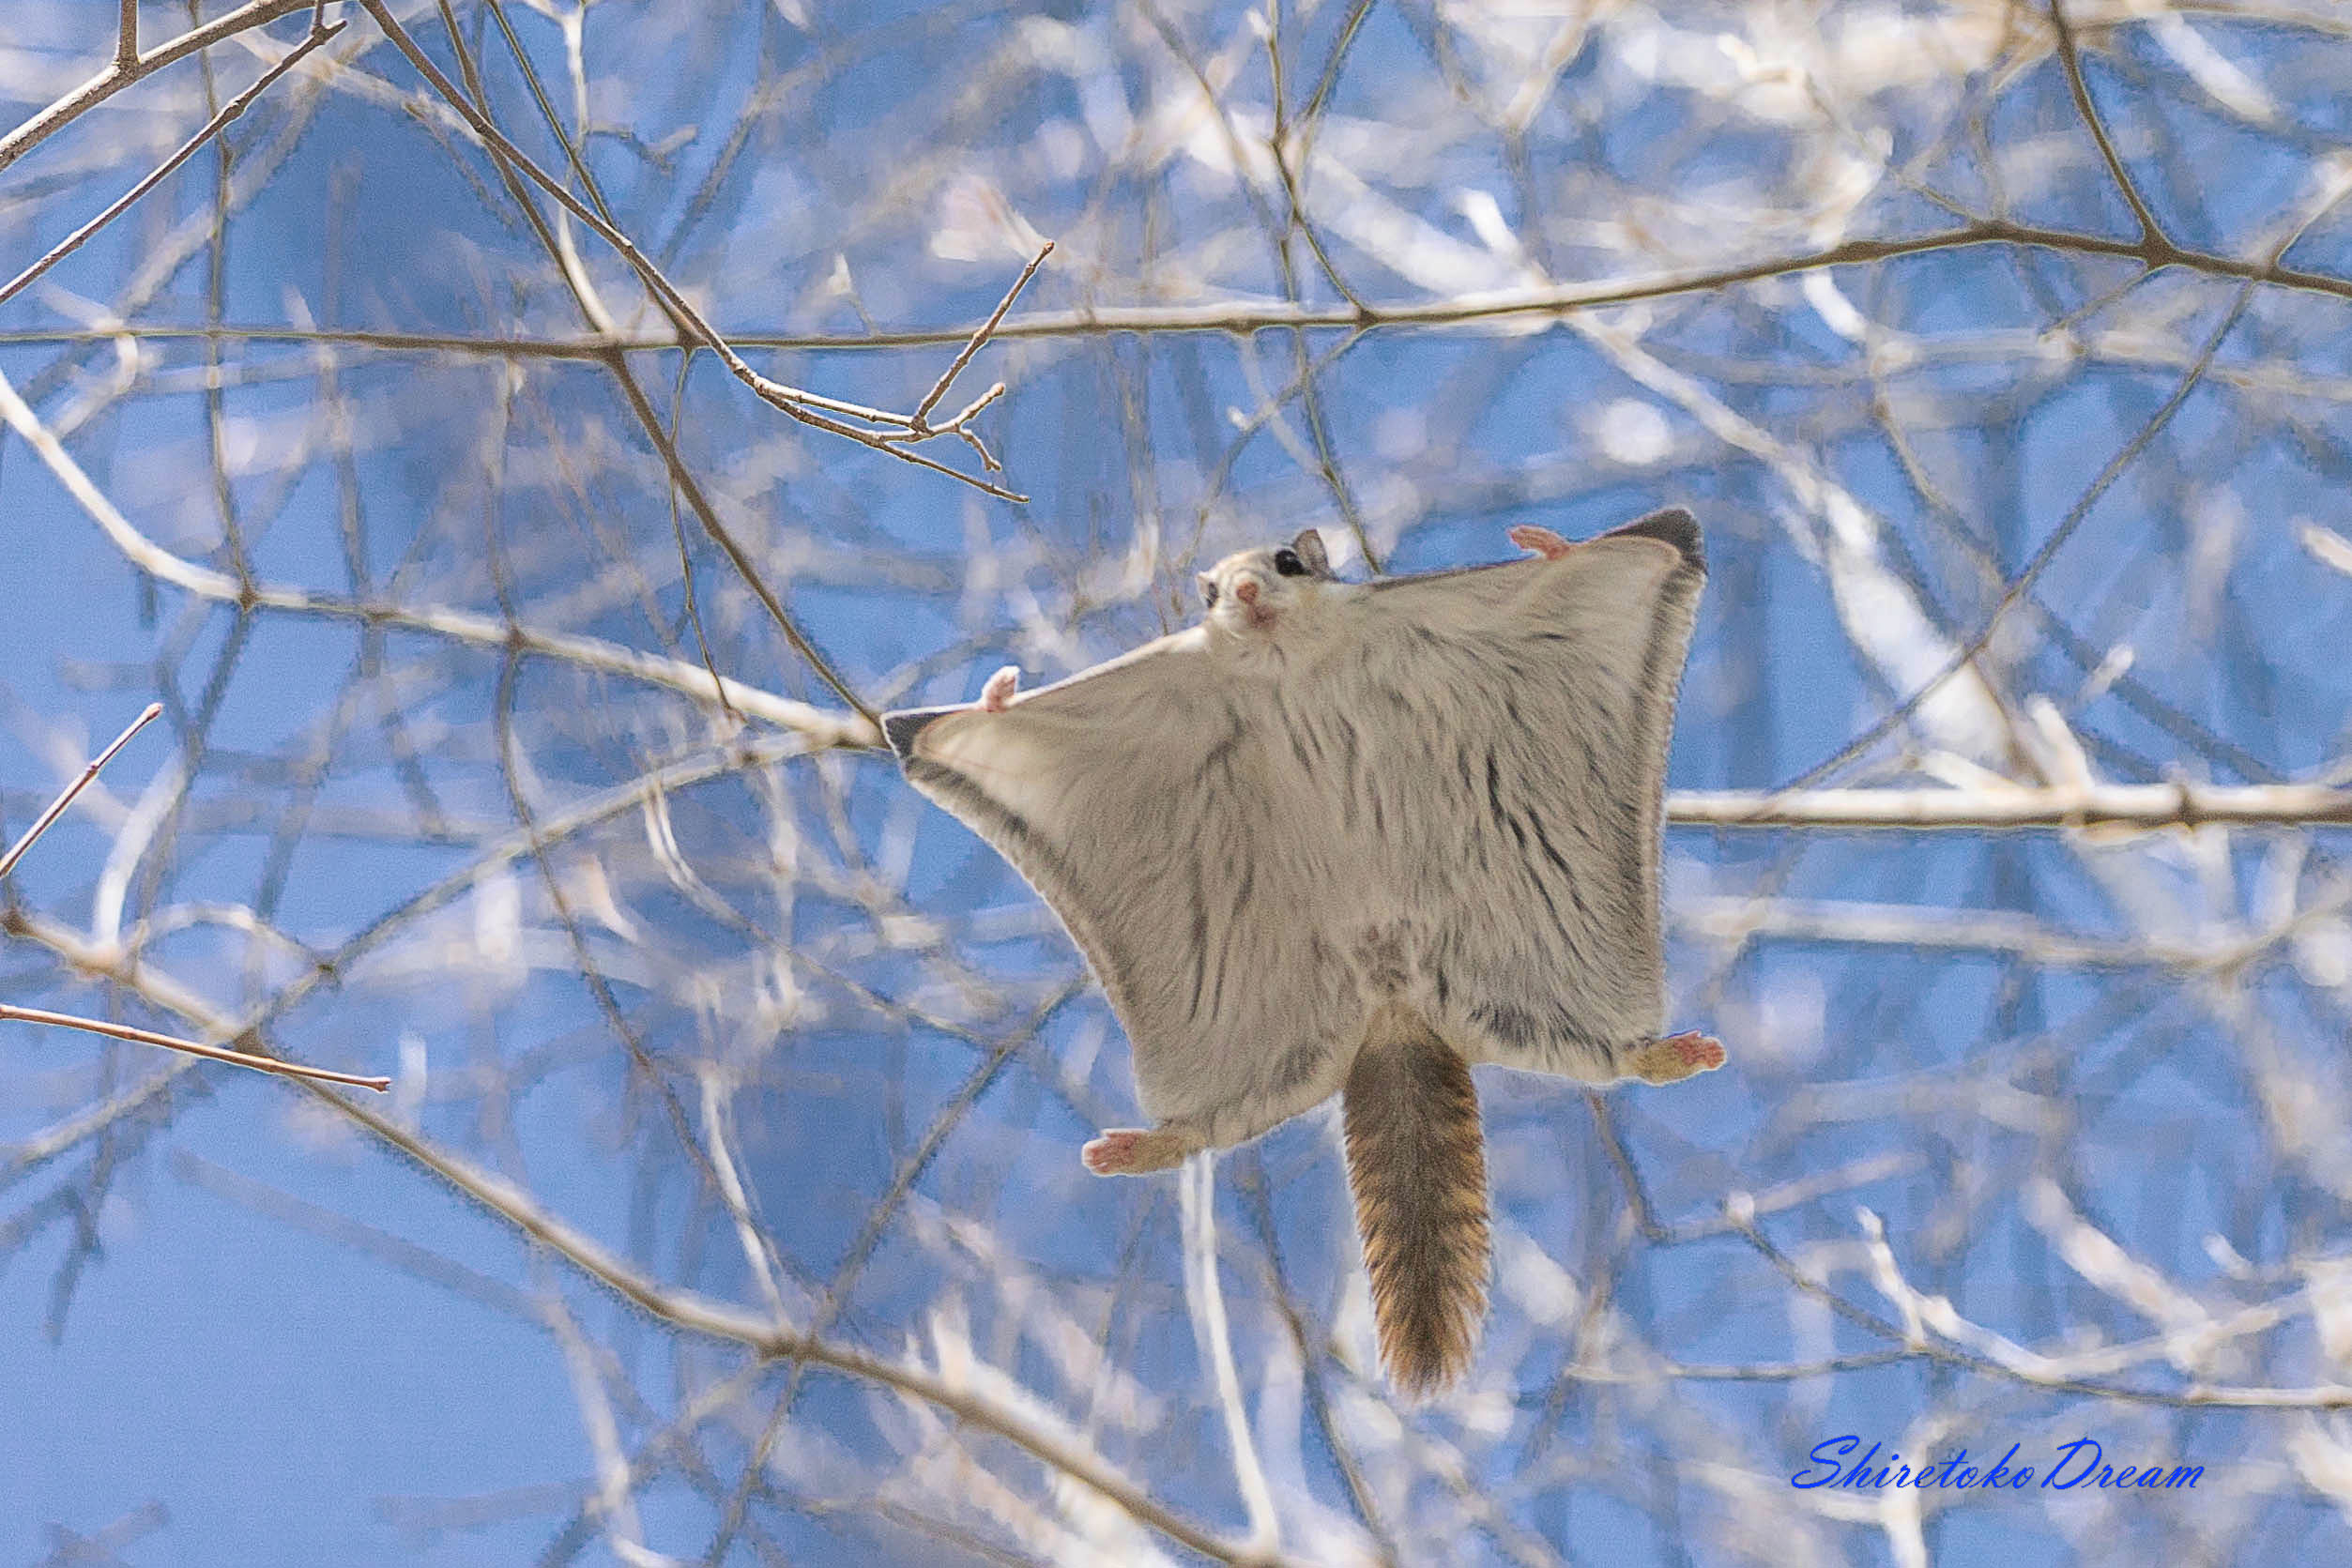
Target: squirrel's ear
(1309,544)
(1208,590)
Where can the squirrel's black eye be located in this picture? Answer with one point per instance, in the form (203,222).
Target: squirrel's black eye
(1208,594)
(1287,562)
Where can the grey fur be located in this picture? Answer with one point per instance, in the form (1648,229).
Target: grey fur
(1435,795)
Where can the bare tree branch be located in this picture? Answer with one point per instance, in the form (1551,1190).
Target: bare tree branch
(2180,805)
(115,77)
(186,150)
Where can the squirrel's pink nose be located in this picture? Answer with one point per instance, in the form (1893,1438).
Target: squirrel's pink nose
(1246,590)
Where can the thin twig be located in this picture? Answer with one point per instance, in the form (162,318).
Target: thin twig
(10,1012)
(649,419)
(153,711)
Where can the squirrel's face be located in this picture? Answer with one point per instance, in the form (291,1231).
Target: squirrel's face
(1252,593)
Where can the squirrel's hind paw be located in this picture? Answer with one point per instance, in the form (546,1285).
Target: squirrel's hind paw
(1676,1057)
(1134,1152)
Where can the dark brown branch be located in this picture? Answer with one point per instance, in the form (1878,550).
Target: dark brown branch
(1239,317)
(2071,57)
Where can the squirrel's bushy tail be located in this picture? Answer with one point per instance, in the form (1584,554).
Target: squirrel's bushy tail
(1418,1169)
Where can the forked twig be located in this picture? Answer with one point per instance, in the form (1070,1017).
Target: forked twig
(908,429)
(809,408)
(11,1013)
(987,330)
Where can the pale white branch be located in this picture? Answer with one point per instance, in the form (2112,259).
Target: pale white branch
(822,728)
(2128,806)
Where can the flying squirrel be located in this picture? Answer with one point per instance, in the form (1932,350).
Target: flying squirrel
(1353,838)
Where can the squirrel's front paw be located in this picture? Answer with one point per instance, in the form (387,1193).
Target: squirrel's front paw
(996,696)
(1539,541)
